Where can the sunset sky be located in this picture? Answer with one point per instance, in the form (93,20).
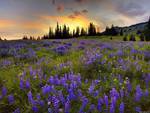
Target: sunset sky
(33,17)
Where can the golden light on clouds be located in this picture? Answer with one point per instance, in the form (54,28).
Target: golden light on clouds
(71,21)
(6,23)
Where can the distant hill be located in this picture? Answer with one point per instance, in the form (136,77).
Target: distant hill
(132,28)
(129,29)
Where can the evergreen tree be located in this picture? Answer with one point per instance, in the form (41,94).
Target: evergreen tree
(45,37)
(77,34)
(65,32)
(125,38)
(73,33)
(92,30)
(107,31)
(31,38)
(68,33)
(83,32)
(50,34)
(113,31)
(38,38)
(132,38)
(147,31)
(121,32)
(57,32)
(25,38)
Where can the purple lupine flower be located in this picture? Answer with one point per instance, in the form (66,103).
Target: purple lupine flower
(96,93)
(67,107)
(27,84)
(147,80)
(17,111)
(55,102)
(121,93)
(91,89)
(61,97)
(46,89)
(92,107)
(84,103)
(138,109)
(99,105)
(121,107)
(79,93)
(120,53)
(4,91)
(30,98)
(138,93)
(50,110)
(38,96)
(86,81)
(41,103)
(71,95)
(112,108)
(35,109)
(129,87)
(114,93)
(11,99)
(106,100)
(146,93)
(113,101)
(21,84)
(1,97)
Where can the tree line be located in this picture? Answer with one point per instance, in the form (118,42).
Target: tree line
(64,32)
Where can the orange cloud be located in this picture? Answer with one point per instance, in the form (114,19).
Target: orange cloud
(6,23)
(31,25)
(15,29)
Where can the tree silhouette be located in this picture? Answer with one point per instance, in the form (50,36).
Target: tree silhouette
(111,31)
(125,38)
(92,30)
(25,38)
(147,31)
(58,32)
(121,32)
(51,34)
(77,34)
(38,38)
(142,37)
(65,32)
(132,38)
(73,33)
(83,32)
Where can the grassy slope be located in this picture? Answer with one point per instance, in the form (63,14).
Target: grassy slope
(10,74)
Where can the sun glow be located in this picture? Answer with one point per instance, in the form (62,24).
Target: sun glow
(72,22)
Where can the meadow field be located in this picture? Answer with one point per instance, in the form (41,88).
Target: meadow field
(81,75)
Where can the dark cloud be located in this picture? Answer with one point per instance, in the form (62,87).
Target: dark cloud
(53,2)
(78,13)
(60,8)
(131,9)
(71,16)
(80,1)
(85,11)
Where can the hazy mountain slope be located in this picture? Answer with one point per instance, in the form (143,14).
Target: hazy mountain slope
(132,28)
